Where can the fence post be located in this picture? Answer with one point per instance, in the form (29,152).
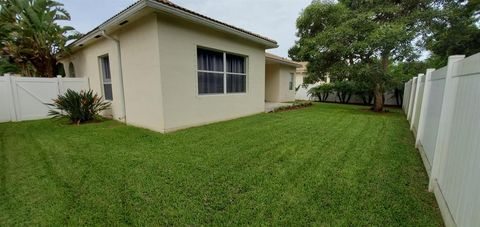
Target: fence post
(423,109)
(411,103)
(446,119)
(404,96)
(15,101)
(60,85)
(417,92)
(407,96)
(13,114)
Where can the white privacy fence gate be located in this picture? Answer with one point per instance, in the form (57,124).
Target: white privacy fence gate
(444,113)
(25,98)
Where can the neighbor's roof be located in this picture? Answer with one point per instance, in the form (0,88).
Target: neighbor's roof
(169,7)
(302,69)
(278,59)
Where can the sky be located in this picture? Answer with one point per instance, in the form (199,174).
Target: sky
(274,19)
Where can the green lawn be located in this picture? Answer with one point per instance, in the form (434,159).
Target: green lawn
(325,165)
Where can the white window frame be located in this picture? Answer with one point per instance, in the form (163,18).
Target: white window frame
(224,72)
(104,80)
(291,83)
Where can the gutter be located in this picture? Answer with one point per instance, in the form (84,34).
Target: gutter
(123,116)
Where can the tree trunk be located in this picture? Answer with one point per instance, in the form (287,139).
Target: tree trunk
(377,98)
(378,91)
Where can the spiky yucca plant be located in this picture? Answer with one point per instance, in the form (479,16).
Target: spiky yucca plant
(79,107)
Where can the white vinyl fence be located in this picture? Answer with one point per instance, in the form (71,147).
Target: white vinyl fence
(444,114)
(25,98)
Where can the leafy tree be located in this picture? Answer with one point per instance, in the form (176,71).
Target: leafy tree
(359,39)
(30,35)
(454,31)
(402,72)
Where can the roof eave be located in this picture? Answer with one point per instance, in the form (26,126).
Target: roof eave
(140,5)
(283,62)
(185,15)
(115,20)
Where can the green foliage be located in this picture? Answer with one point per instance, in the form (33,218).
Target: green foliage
(321,91)
(358,40)
(364,91)
(344,90)
(455,30)
(401,73)
(30,36)
(79,107)
(7,67)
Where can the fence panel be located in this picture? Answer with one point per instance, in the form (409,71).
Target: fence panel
(32,95)
(26,98)
(406,96)
(433,109)
(459,177)
(5,100)
(448,136)
(76,84)
(411,103)
(418,103)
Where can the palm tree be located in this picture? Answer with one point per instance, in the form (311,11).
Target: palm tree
(30,36)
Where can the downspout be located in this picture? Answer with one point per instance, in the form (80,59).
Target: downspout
(122,116)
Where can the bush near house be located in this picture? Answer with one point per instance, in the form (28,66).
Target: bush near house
(79,107)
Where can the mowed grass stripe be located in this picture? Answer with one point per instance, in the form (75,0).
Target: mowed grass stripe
(325,165)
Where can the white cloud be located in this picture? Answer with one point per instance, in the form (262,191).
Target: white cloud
(272,18)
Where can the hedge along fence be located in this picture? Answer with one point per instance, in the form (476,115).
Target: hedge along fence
(305,93)
(443,109)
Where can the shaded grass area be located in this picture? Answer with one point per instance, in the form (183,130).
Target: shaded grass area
(325,165)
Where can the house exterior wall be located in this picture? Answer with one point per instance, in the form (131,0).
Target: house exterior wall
(299,78)
(159,66)
(87,64)
(272,82)
(277,83)
(183,106)
(141,72)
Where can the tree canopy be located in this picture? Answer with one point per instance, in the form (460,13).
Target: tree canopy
(30,36)
(454,30)
(359,39)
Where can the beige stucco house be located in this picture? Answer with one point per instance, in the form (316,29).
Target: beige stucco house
(280,79)
(302,92)
(165,68)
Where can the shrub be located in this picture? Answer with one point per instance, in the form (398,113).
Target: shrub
(364,91)
(321,91)
(344,90)
(79,107)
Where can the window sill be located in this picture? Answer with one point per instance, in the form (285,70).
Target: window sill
(221,95)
